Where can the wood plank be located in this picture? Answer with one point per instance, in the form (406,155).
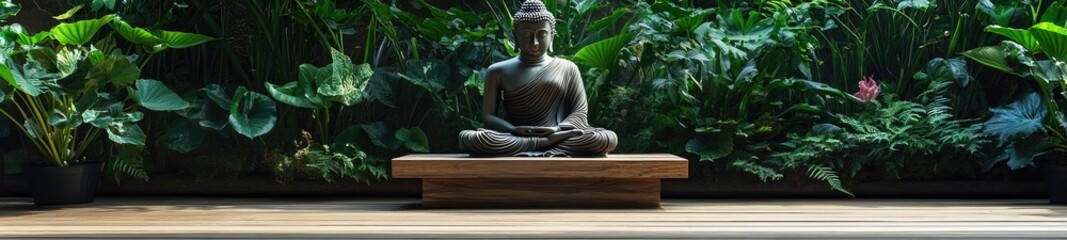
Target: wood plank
(613,166)
(307,218)
(533,192)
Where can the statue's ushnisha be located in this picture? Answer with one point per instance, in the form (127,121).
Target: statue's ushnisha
(543,98)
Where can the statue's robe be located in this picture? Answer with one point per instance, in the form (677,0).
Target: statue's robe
(554,97)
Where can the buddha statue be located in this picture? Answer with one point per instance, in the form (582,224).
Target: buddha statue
(543,100)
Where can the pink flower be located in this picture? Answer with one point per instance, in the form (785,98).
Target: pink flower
(869,89)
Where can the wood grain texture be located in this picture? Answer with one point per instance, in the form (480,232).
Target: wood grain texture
(347,218)
(534,192)
(612,166)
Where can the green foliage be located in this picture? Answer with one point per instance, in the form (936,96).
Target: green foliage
(759,86)
(252,114)
(995,57)
(8,9)
(182,136)
(1018,119)
(344,161)
(80,32)
(897,138)
(155,96)
(346,81)
(98,4)
(135,35)
(828,175)
(127,160)
(413,139)
(1035,123)
(604,53)
(181,39)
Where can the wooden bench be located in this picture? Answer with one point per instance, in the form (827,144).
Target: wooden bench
(619,180)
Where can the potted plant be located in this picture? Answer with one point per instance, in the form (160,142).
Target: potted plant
(1034,125)
(63,93)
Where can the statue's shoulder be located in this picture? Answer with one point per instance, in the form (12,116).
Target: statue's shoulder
(567,63)
(502,65)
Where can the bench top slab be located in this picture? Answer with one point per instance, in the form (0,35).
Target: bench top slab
(612,166)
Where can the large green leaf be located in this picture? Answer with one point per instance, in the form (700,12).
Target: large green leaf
(1021,36)
(309,81)
(1049,70)
(1021,152)
(69,13)
(1000,13)
(154,95)
(380,87)
(117,70)
(97,4)
(131,135)
(1055,13)
(62,119)
(431,75)
(414,139)
(183,40)
(347,81)
(347,136)
(948,69)
(1053,39)
(604,53)
(32,80)
(252,114)
(378,134)
(1018,119)
(30,40)
(121,126)
(111,117)
(80,32)
(711,146)
(136,35)
(916,4)
(205,112)
(67,61)
(290,93)
(608,21)
(182,136)
(216,94)
(991,56)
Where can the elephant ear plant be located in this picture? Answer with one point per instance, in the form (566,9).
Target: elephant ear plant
(1034,124)
(62,92)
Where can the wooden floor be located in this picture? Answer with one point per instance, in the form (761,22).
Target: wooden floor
(404,218)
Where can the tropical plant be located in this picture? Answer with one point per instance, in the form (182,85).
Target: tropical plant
(911,137)
(318,89)
(1035,123)
(8,9)
(65,91)
(693,63)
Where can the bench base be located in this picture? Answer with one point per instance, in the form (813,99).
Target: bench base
(540,192)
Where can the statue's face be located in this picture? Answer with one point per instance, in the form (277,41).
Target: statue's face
(534,38)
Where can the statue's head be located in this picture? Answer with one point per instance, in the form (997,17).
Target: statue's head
(534,28)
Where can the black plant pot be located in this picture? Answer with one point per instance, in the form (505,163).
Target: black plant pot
(75,184)
(1056,178)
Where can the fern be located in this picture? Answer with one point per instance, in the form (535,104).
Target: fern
(901,137)
(127,160)
(132,166)
(827,174)
(765,173)
(347,162)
